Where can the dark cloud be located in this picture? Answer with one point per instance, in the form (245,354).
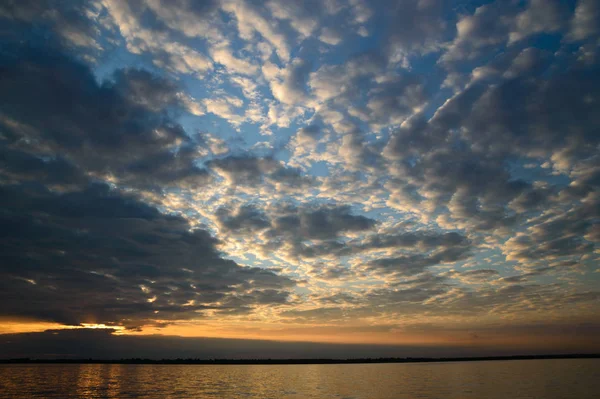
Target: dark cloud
(572,233)
(292,226)
(408,295)
(437,295)
(511,298)
(75,250)
(488,26)
(549,117)
(304,17)
(408,265)
(537,117)
(66,18)
(178,11)
(17,166)
(120,130)
(522,278)
(585,21)
(331,247)
(247,170)
(419,240)
(311,236)
(310,131)
(416,25)
(475,276)
(321,223)
(341,83)
(244,219)
(306,232)
(142,88)
(394,101)
(324,271)
(458,160)
(99,256)
(411,253)
(494,25)
(472,186)
(291,87)
(400,266)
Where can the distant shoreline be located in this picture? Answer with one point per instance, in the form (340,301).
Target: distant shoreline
(292,361)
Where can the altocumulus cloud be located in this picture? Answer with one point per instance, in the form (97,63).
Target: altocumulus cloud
(76,250)
(379,168)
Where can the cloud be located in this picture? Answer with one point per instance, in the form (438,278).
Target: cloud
(498,24)
(475,276)
(308,133)
(489,25)
(194,19)
(584,23)
(557,235)
(400,266)
(99,134)
(251,21)
(406,162)
(142,36)
(324,222)
(250,170)
(70,21)
(421,240)
(408,253)
(290,227)
(307,232)
(289,87)
(458,158)
(142,88)
(361,10)
(225,57)
(415,26)
(303,17)
(244,219)
(125,262)
(227,107)
(331,273)
(340,81)
(330,36)
(394,100)
(540,16)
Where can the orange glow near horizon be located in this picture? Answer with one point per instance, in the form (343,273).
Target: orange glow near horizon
(333,335)
(457,336)
(31,326)
(18,327)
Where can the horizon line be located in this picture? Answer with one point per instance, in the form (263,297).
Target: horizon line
(292,361)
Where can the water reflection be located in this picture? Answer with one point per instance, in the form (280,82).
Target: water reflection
(514,379)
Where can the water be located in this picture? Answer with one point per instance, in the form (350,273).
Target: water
(547,379)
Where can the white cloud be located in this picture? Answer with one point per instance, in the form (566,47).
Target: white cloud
(223,56)
(226,107)
(167,53)
(330,36)
(250,21)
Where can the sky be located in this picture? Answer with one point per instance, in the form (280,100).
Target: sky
(405,177)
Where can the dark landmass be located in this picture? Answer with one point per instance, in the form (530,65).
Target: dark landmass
(293,361)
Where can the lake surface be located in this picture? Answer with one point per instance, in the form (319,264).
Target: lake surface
(490,379)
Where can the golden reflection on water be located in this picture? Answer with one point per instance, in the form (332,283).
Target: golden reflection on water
(506,379)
